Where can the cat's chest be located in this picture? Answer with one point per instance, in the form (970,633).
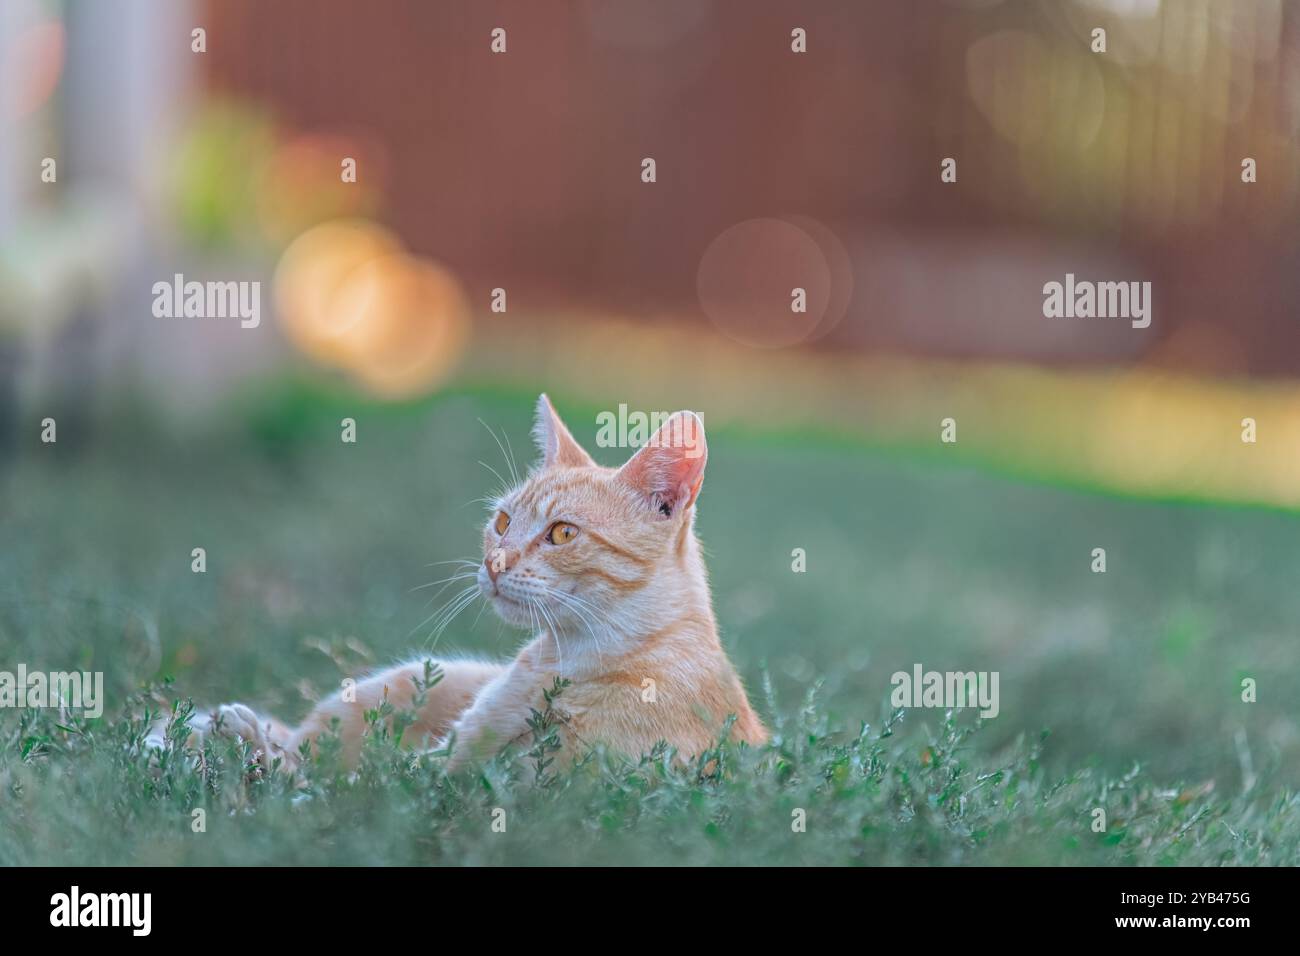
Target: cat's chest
(631,713)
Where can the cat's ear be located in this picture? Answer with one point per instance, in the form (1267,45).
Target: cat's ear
(558,448)
(669,469)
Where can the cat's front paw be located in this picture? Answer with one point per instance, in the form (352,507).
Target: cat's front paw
(241,722)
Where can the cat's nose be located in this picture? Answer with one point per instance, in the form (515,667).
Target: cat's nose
(499,560)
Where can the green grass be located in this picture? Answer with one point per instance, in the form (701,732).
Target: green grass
(314,547)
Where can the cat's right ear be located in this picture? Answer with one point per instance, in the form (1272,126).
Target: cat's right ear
(558,447)
(668,470)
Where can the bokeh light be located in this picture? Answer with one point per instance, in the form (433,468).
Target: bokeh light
(30,68)
(312,270)
(746,278)
(401,323)
(349,296)
(841,273)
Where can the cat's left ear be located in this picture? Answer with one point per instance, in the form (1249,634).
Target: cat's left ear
(669,469)
(558,447)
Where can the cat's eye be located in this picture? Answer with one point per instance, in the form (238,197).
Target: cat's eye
(561,533)
(502,522)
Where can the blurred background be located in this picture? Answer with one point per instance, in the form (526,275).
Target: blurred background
(522,171)
(442,230)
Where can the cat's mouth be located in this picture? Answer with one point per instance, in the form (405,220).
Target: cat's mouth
(512,610)
(492,591)
(489,588)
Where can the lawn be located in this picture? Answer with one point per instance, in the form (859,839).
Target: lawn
(1119,691)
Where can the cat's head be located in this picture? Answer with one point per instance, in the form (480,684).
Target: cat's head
(586,547)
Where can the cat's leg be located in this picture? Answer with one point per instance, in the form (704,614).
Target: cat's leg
(268,737)
(499,714)
(401,686)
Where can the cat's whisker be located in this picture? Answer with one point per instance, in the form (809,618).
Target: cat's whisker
(555,634)
(594,631)
(468,569)
(510,464)
(583,615)
(595,638)
(466,598)
(532,614)
(470,599)
(504,484)
(481,609)
(534,604)
(576,604)
(436,615)
(583,602)
(510,455)
(448,582)
(588,611)
(455,577)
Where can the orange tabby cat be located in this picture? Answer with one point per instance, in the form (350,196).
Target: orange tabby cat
(604,565)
